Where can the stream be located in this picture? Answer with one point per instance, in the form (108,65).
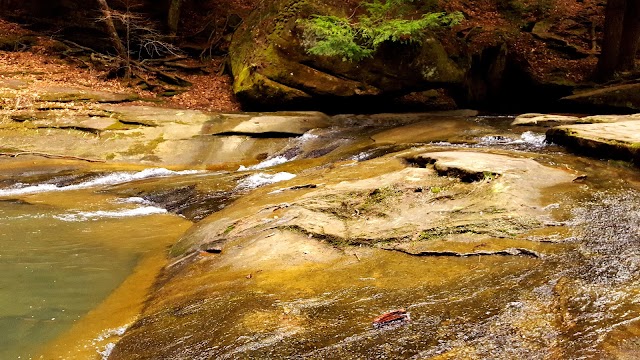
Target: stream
(82,245)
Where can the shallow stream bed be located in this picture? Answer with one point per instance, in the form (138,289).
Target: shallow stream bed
(82,247)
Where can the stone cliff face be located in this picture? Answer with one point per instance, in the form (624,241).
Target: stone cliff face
(271,65)
(494,60)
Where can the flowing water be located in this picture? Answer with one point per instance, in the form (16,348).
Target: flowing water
(64,249)
(80,250)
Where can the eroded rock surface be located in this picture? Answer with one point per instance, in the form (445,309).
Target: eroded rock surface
(152,135)
(468,236)
(294,256)
(285,124)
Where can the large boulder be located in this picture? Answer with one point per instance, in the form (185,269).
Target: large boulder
(271,66)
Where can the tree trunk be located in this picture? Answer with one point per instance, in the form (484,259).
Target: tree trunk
(115,38)
(613,26)
(111,29)
(630,36)
(173,18)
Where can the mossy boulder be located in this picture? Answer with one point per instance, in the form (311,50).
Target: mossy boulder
(271,66)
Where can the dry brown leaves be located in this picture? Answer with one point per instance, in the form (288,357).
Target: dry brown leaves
(484,19)
(41,68)
(210,92)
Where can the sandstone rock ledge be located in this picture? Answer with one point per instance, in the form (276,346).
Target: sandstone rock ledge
(292,269)
(620,140)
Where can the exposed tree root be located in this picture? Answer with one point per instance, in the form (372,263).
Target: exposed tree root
(153,74)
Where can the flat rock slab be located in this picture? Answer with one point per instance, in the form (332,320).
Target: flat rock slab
(550,120)
(78,122)
(535,119)
(396,119)
(278,124)
(618,96)
(475,166)
(594,119)
(620,140)
(156,116)
(67,94)
(13,84)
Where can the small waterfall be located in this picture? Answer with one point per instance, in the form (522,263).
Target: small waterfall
(109,179)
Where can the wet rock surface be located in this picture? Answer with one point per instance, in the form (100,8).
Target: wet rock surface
(188,202)
(492,240)
(190,197)
(619,140)
(310,242)
(535,119)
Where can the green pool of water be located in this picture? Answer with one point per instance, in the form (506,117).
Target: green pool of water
(55,271)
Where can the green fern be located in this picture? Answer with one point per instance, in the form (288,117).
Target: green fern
(337,37)
(334,36)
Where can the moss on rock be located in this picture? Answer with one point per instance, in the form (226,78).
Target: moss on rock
(271,65)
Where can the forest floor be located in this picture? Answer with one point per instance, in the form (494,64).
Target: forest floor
(41,65)
(566,43)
